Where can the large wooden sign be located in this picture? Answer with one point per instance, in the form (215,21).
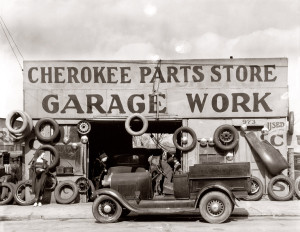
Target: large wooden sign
(173,88)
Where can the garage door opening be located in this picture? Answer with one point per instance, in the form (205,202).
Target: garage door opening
(123,149)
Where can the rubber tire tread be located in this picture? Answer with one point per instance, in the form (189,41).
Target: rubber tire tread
(53,151)
(297,186)
(13,116)
(96,213)
(215,195)
(258,195)
(286,179)
(50,121)
(60,186)
(136,133)
(20,201)
(10,192)
(187,130)
(219,144)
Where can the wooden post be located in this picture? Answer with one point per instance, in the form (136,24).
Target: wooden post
(291,170)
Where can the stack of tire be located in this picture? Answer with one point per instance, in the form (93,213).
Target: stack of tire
(18,134)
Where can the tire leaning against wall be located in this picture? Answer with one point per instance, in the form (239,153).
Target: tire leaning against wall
(59,188)
(288,181)
(9,194)
(43,121)
(53,151)
(19,194)
(297,186)
(257,188)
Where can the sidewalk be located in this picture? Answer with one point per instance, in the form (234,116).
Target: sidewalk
(84,210)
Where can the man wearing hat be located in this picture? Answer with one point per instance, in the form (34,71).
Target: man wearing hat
(99,169)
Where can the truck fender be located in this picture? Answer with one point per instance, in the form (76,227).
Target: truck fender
(115,195)
(215,187)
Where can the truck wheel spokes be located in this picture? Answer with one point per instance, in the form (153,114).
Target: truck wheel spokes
(215,208)
(226,137)
(107,208)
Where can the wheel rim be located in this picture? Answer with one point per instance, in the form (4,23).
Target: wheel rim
(254,187)
(226,136)
(107,208)
(215,208)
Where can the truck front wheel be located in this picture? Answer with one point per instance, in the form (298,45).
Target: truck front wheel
(106,209)
(215,207)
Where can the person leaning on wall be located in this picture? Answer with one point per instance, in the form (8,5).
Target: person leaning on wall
(40,168)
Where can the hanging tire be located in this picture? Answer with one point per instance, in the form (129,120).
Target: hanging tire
(83,184)
(291,120)
(226,137)
(84,127)
(19,193)
(215,207)
(140,132)
(44,121)
(11,118)
(186,130)
(53,152)
(274,184)
(106,209)
(297,186)
(6,193)
(67,184)
(51,182)
(257,189)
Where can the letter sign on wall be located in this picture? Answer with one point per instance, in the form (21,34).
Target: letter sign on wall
(175,88)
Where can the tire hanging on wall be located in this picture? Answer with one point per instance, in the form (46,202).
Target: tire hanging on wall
(60,187)
(257,188)
(84,127)
(52,123)
(7,193)
(297,186)
(226,137)
(132,132)
(53,152)
(274,181)
(186,130)
(11,118)
(19,193)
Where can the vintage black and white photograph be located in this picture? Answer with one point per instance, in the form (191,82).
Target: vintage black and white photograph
(149,115)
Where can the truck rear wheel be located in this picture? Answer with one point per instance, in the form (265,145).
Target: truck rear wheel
(215,207)
(106,209)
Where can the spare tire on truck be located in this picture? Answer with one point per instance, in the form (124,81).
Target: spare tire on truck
(226,137)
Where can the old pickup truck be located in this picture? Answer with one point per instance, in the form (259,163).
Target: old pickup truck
(210,188)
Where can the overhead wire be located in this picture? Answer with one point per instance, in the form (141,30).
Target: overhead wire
(10,44)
